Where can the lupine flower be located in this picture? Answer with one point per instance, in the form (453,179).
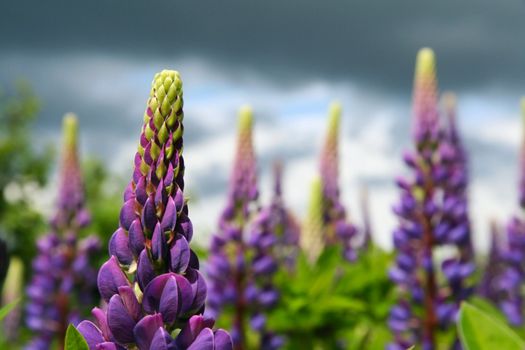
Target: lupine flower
(63,279)
(241,264)
(489,285)
(312,238)
(283,224)
(432,213)
(151,282)
(513,276)
(11,291)
(337,229)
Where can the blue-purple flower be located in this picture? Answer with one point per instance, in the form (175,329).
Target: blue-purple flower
(432,213)
(151,283)
(63,278)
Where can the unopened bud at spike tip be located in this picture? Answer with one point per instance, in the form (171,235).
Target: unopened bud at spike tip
(70,130)
(245,118)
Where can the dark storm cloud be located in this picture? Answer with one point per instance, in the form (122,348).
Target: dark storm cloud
(478,41)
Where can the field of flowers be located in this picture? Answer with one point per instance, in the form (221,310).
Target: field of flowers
(115,267)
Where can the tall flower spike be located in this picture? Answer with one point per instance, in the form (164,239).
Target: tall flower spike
(337,229)
(62,271)
(151,282)
(513,276)
(11,291)
(489,286)
(432,213)
(242,263)
(312,239)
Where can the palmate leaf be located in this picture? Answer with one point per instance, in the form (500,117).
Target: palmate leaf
(479,331)
(6,309)
(75,340)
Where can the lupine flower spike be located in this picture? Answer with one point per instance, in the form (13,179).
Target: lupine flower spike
(312,237)
(63,278)
(513,276)
(432,213)
(337,229)
(154,292)
(241,264)
(282,223)
(489,286)
(11,291)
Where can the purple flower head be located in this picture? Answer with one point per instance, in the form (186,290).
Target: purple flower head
(242,259)
(63,275)
(432,213)
(336,227)
(512,276)
(151,282)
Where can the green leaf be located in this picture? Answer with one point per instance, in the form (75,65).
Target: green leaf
(479,331)
(75,340)
(7,309)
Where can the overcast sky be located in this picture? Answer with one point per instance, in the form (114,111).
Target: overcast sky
(288,59)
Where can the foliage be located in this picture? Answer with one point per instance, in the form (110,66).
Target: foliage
(75,340)
(335,304)
(6,309)
(480,331)
(23,169)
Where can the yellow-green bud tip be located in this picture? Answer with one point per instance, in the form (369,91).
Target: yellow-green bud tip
(245,118)
(70,128)
(425,63)
(523,106)
(334,111)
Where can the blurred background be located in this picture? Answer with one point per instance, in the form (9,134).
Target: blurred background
(289,60)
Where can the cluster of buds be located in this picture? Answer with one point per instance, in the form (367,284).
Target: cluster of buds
(241,263)
(432,213)
(62,271)
(512,278)
(337,230)
(151,282)
(489,287)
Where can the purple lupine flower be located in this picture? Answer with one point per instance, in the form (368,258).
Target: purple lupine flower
(241,263)
(151,282)
(512,277)
(337,228)
(59,282)
(489,286)
(432,213)
(285,227)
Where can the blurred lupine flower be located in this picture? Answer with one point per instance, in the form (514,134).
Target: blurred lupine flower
(432,213)
(513,276)
(63,278)
(283,224)
(241,263)
(11,291)
(489,285)
(336,227)
(312,238)
(151,282)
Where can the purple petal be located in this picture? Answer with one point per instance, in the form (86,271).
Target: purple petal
(159,246)
(145,330)
(161,340)
(136,237)
(119,246)
(145,271)
(102,321)
(140,191)
(127,213)
(91,333)
(119,320)
(169,301)
(223,341)
(149,216)
(130,302)
(170,216)
(179,254)
(110,277)
(204,341)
